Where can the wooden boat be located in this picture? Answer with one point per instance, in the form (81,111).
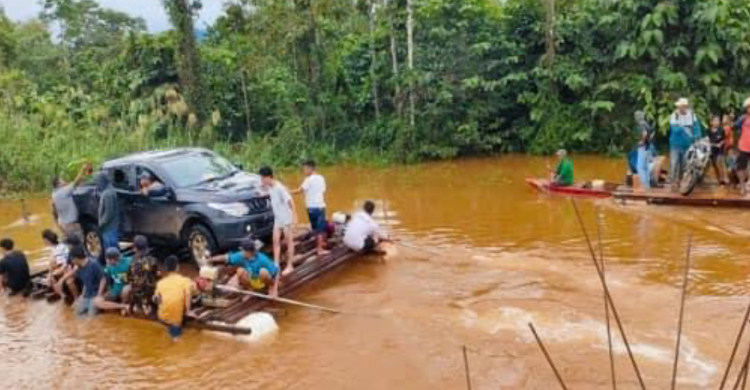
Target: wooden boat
(702,197)
(223,317)
(586,190)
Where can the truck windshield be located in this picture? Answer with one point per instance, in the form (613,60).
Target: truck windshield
(196,168)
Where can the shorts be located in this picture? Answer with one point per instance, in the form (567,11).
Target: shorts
(86,306)
(742,160)
(370,245)
(110,297)
(318,222)
(174,331)
(282,223)
(72,229)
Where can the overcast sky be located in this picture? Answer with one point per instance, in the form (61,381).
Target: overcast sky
(150,10)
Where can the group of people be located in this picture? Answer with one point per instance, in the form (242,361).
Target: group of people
(729,158)
(140,282)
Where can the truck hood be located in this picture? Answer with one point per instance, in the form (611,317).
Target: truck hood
(241,186)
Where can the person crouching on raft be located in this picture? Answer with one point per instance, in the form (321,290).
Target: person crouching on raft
(254,269)
(563,175)
(173,295)
(363,234)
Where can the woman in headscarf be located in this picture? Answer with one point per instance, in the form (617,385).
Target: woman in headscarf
(645,147)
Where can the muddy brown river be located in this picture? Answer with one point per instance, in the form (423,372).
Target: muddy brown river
(501,256)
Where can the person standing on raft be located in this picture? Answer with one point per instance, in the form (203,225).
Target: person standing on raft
(645,149)
(64,209)
(563,175)
(314,187)
(684,130)
(284,217)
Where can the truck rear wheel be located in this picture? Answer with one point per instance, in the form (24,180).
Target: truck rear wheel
(201,243)
(92,241)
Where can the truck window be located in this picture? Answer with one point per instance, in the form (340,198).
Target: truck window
(121,179)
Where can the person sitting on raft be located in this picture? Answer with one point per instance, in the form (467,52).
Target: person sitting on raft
(563,175)
(254,269)
(69,288)
(173,295)
(91,275)
(14,269)
(142,277)
(362,233)
(116,294)
(58,262)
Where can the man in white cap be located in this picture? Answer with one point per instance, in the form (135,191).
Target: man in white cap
(743,125)
(684,130)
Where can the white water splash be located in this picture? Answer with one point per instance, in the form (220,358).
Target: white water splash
(697,370)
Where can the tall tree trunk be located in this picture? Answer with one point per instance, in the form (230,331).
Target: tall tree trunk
(188,57)
(394,63)
(410,56)
(373,76)
(248,127)
(550,32)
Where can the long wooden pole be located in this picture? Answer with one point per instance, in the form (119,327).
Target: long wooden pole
(734,349)
(549,359)
(606,303)
(609,297)
(686,280)
(466,369)
(279,299)
(743,372)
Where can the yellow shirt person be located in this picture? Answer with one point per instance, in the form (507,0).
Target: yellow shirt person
(173,294)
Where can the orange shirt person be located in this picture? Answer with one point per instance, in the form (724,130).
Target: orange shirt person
(173,294)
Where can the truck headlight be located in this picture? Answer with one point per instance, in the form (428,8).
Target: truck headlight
(233,209)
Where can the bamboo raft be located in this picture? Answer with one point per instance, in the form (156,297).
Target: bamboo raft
(223,318)
(701,197)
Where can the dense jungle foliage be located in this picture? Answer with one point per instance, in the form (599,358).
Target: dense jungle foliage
(276,81)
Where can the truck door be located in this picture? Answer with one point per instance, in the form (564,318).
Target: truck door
(157,214)
(123,179)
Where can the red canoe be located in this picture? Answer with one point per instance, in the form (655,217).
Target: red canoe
(579,190)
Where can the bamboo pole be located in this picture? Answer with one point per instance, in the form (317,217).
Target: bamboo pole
(609,297)
(466,369)
(549,359)
(606,303)
(686,280)
(735,347)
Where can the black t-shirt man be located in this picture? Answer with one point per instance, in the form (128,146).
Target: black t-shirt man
(15,270)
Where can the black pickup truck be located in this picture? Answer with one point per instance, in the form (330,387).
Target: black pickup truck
(208,203)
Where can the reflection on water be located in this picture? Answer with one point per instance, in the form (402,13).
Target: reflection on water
(499,255)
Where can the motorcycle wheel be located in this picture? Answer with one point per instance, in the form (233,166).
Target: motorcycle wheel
(688,182)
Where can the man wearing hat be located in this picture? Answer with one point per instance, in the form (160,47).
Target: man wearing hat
(743,125)
(116,273)
(684,130)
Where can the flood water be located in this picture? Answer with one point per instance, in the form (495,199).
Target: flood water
(499,256)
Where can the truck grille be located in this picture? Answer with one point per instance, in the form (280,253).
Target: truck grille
(257,205)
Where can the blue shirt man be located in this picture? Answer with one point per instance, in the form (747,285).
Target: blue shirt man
(254,269)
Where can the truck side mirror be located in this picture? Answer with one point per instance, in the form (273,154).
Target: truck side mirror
(171,194)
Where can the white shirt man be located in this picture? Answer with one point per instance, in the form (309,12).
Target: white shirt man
(362,232)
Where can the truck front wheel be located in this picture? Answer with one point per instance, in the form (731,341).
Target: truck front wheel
(202,244)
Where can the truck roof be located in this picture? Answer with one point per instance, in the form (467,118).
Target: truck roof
(152,156)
